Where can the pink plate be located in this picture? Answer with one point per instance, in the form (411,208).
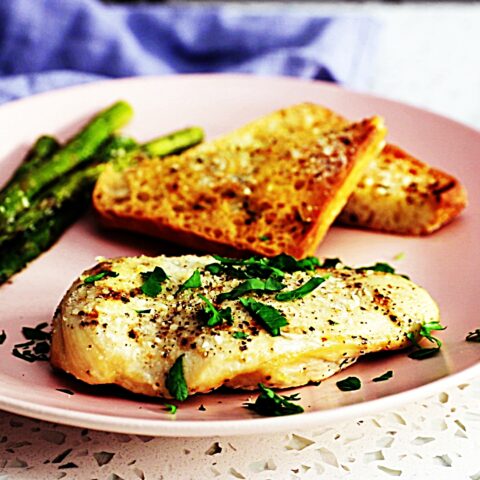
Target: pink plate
(446,263)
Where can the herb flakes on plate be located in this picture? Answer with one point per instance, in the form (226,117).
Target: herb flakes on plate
(269,404)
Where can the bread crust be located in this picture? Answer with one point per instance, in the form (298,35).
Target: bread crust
(400,194)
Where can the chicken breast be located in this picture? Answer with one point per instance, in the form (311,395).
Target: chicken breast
(106,330)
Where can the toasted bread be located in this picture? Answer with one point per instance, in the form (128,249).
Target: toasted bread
(400,194)
(272,186)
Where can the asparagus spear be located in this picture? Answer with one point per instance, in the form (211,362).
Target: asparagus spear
(30,244)
(60,192)
(58,207)
(40,151)
(19,194)
(174,142)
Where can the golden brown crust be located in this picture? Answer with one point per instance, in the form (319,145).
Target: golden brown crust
(273,186)
(400,194)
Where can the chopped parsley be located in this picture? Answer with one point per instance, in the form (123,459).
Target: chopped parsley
(385,376)
(264,238)
(254,267)
(269,404)
(381,267)
(65,390)
(152,281)
(349,384)
(175,381)
(426,331)
(195,281)
(37,346)
(471,337)
(36,333)
(239,335)
(227,270)
(289,264)
(145,310)
(262,267)
(301,291)
(378,267)
(170,408)
(331,262)
(252,285)
(213,316)
(423,353)
(3,337)
(98,276)
(268,316)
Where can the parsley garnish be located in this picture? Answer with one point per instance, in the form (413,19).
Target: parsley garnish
(301,291)
(227,270)
(37,347)
(99,276)
(330,262)
(65,390)
(423,353)
(254,267)
(378,267)
(170,408)
(381,267)
(3,337)
(252,285)
(349,384)
(264,238)
(287,263)
(152,281)
(175,381)
(263,267)
(307,264)
(269,404)
(146,310)
(385,376)
(36,333)
(268,316)
(195,281)
(213,316)
(426,331)
(239,335)
(471,337)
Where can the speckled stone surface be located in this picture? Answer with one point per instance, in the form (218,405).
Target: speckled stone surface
(439,436)
(428,56)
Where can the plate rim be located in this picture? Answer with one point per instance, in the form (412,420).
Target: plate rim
(246,76)
(196,428)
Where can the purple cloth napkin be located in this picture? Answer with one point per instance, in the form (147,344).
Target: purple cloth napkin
(46,44)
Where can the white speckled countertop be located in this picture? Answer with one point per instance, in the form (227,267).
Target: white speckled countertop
(428,56)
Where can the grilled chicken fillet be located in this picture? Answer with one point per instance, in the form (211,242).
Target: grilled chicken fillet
(110,332)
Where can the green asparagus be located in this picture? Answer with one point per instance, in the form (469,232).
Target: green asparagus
(174,142)
(59,205)
(43,148)
(30,244)
(59,192)
(19,194)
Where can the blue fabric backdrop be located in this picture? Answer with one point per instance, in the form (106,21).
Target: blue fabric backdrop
(46,44)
